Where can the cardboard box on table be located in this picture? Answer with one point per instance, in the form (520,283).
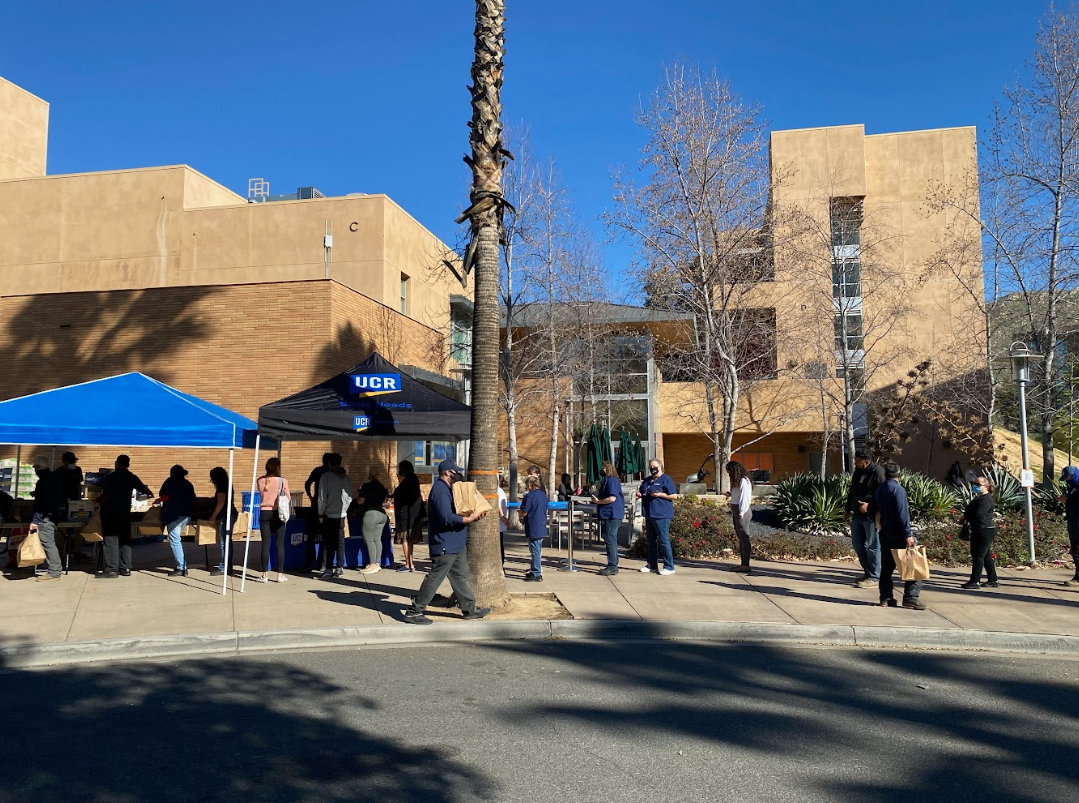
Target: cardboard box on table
(206,531)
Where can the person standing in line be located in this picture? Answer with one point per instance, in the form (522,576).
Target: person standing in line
(115,503)
(534,471)
(407,513)
(313,528)
(224,514)
(70,476)
(270,486)
(503,516)
(534,516)
(49,502)
(177,499)
(447,539)
(890,502)
(867,477)
(372,497)
(741,499)
(657,494)
(610,510)
(1070,500)
(983,528)
(333,501)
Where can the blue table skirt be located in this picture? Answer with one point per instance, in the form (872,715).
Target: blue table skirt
(355,546)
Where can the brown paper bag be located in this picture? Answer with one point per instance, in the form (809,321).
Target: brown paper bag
(464,498)
(92,531)
(912,562)
(481,505)
(239,529)
(206,533)
(31,552)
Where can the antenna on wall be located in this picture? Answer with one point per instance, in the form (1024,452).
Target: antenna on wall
(258,190)
(327,247)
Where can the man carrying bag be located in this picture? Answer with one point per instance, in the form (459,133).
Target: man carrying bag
(890,505)
(49,504)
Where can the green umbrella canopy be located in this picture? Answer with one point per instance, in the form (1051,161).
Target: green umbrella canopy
(625,454)
(638,456)
(605,442)
(594,444)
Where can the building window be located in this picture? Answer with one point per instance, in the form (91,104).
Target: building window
(461,336)
(846,220)
(426,455)
(757,464)
(849,337)
(404,294)
(757,358)
(846,278)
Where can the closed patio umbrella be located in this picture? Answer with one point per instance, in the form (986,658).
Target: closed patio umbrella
(625,454)
(595,450)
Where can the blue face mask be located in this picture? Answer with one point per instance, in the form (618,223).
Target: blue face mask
(976,488)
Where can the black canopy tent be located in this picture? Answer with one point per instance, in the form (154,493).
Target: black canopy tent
(372,401)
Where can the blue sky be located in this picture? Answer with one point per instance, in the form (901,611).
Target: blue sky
(362,96)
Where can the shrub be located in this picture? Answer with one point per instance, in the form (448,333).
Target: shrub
(700,528)
(1047,495)
(944,548)
(808,503)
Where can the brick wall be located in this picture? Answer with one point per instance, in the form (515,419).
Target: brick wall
(240,346)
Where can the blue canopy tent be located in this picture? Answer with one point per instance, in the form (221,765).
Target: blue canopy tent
(129,410)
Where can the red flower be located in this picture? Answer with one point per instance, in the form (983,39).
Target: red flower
(947,538)
(696,524)
(994,556)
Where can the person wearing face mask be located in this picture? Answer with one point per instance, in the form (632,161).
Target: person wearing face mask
(49,507)
(447,541)
(979,518)
(657,494)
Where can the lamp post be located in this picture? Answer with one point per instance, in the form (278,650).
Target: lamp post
(1020,357)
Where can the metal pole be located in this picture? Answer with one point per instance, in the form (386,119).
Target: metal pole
(1026,465)
(570,565)
(252,512)
(18,463)
(227,541)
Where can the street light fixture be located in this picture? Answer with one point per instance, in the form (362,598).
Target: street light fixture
(1020,357)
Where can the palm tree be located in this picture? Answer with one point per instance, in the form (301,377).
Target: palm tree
(485,217)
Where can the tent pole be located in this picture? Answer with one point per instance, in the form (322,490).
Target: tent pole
(18,463)
(52,460)
(251,513)
(227,541)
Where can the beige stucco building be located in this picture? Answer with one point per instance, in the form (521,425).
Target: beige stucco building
(165,271)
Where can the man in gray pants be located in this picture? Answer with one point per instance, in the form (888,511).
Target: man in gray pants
(49,508)
(447,538)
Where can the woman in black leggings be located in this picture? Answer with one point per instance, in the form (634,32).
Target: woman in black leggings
(979,516)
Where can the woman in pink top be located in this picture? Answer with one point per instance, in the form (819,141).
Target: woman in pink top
(270,486)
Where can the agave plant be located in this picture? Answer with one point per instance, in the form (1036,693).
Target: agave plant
(927,497)
(1009,494)
(1047,496)
(808,503)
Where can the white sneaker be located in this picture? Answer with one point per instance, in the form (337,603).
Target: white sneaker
(645,569)
(370,570)
(665,572)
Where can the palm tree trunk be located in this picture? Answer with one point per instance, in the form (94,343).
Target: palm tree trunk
(485,215)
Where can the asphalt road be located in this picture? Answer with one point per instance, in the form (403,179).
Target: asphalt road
(541,722)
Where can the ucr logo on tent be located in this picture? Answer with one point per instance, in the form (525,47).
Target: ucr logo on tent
(361,422)
(375,384)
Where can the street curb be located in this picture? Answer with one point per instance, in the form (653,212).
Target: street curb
(255,642)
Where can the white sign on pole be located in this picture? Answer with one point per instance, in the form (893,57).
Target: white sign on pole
(1026,478)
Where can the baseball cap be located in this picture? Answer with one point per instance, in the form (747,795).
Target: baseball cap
(1069,474)
(178,470)
(448,465)
(69,457)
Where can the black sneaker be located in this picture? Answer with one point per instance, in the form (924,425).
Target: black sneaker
(607,572)
(178,573)
(108,575)
(533,578)
(125,572)
(888,603)
(914,605)
(993,584)
(971,584)
(479,613)
(440,601)
(417,618)
(216,573)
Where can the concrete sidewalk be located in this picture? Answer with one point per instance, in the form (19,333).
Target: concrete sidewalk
(81,608)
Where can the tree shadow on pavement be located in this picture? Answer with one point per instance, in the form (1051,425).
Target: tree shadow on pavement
(915,726)
(213,730)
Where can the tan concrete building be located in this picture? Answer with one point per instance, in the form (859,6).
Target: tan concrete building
(853,298)
(165,271)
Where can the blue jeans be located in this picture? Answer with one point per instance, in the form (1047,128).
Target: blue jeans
(535,546)
(224,539)
(657,531)
(610,540)
(863,532)
(176,529)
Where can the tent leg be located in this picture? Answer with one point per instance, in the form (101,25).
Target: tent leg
(18,462)
(251,513)
(52,460)
(226,542)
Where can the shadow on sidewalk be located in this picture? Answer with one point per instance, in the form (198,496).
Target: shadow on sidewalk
(780,591)
(215,731)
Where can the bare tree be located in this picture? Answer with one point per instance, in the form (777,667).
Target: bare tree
(700,220)
(1030,202)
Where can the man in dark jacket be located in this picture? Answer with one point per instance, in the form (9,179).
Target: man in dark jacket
(890,502)
(447,538)
(50,505)
(115,504)
(1070,476)
(868,476)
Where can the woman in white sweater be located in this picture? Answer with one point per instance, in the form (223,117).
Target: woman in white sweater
(741,510)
